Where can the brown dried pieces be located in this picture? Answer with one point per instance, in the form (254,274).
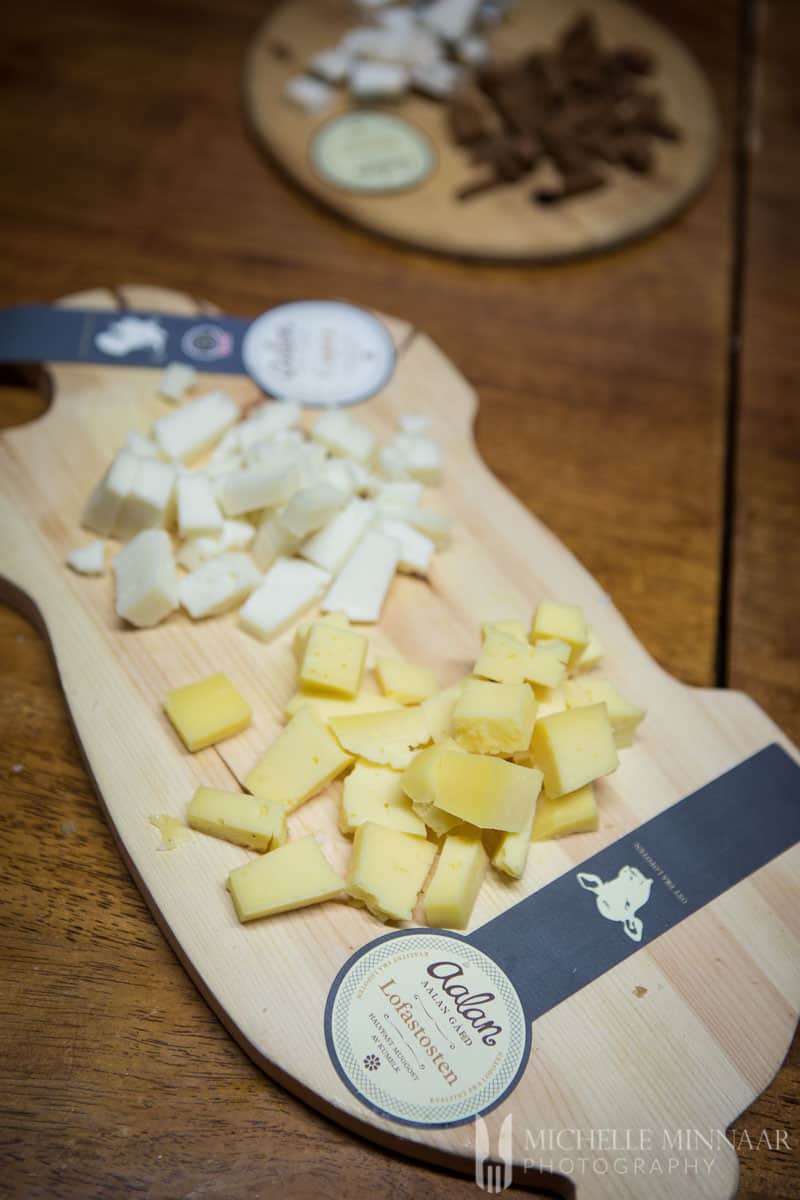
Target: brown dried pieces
(577,107)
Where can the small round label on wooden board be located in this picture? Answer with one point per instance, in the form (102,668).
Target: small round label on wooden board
(321,353)
(372,152)
(425,1029)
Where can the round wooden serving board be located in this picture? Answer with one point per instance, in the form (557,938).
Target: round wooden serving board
(502,223)
(681,1035)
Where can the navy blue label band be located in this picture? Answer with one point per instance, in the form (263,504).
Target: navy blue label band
(38,333)
(319,353)
(587,921)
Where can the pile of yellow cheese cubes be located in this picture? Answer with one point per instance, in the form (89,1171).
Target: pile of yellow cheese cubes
(437,785)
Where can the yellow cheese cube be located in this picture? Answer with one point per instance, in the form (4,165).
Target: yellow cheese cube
(515,629)
(460,871)
(593,654)
(485,791)
(375,794)
(337,619)
(204,713)
(438,711)
(548,700)
(574,747)
(574,813)
(511,850)
(624,716)
(300,762)
(293,876)
(383,737)
(249,821)
(420,780)
(334,659)
(503,658)
(405,682)
(494,718)
(326,707)
(547,663)
(488,792)
(436,819)
(387,870)
(562,621)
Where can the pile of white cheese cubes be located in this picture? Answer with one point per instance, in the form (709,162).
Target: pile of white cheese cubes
(220,512)
(398,47)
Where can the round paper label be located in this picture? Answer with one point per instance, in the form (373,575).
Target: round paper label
(319,352)
(426,1029)
(372,152)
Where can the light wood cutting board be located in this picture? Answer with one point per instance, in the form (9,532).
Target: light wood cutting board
(500,224)
(722,989)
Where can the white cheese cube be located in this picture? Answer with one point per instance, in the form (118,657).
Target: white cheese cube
(310,508)
(103,507)
(269,449)
(89,560)
(146,579)
(360,588)
(335,541)
(218,584)
(438,79)
(392,463)
(176,379)
(198,511)
(422,456)
(413,423)
(228,449)
(338,473)
(378,80)
(259,486)
(330,65)
(473,51)
(311,460)
(451,20)
(190,431)
(416,550)
(149,503)
(289,588)
(142,445)
(435,525)
(366,484)
(235,535)
(312,95)
(268,420)
(398,497)
(273,540)
(390,46)
(343,434)
(400,19)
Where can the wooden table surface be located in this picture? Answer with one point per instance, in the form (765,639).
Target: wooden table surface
(643,404)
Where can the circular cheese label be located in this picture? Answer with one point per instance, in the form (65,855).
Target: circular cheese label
(372,152)
(321,353)
(426,1029)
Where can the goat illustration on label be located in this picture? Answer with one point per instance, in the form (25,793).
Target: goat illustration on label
(621,898)
(130,333)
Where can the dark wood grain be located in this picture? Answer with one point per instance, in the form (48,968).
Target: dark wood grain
(764,649)
(603,391)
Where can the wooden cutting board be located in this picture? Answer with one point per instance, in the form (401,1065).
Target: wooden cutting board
(681,1034)
(500,224)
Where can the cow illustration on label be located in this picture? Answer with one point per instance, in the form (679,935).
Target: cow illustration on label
(130,333)
(621,898)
